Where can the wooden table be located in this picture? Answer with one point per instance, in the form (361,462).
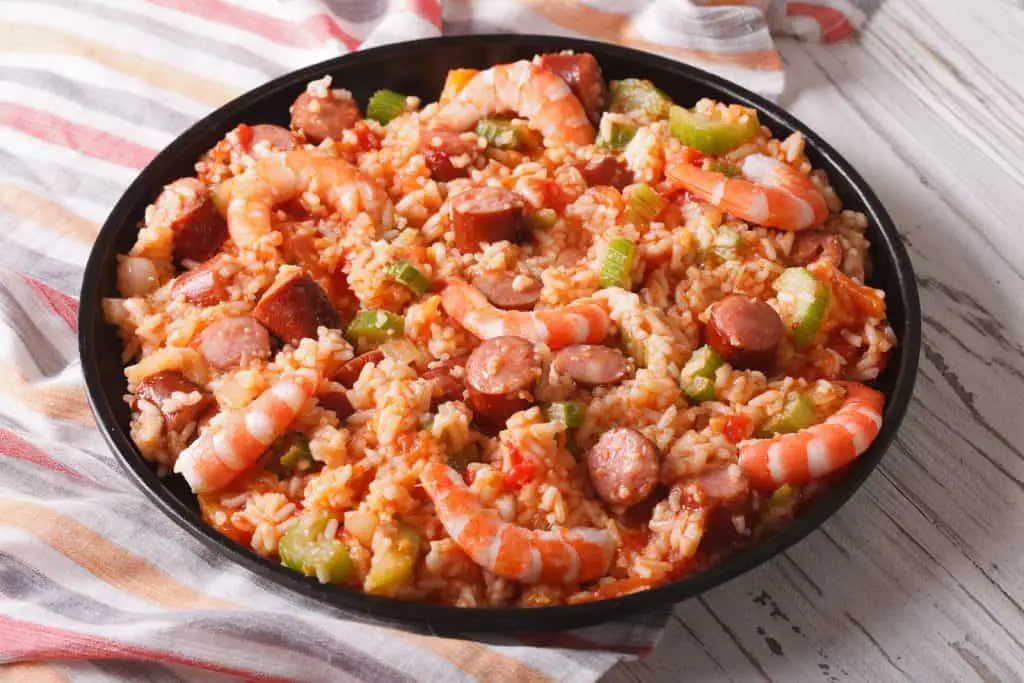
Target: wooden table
(919,577)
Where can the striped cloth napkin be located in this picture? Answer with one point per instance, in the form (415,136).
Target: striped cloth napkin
(95,583)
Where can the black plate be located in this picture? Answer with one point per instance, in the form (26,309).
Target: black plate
(419,68)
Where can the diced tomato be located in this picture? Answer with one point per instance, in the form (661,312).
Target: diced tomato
(368,139)
(520,471)
(737,428)
(243,134)
(692,156)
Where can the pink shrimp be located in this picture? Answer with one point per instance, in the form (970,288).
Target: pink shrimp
(276,178)
(819,450)
(560,556)
(234,442)
(581,322)
(531,91)
(771,192)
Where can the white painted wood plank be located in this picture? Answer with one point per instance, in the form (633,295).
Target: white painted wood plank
(920,576)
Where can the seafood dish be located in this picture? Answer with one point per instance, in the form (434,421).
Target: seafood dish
(546,340)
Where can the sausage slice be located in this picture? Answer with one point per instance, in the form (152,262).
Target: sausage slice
(508,290)
(590,364)
(350,371)
(499,374)
(623,466)
(336,401)
(608,170)
(811,245)
(204,285)
(725,487)
(187,207)
(449,379)
(234,342)
(449,155)
(319,118)
(744,331)
(277,138)
(160,388)
(485,214)
(582,74)
(295,306)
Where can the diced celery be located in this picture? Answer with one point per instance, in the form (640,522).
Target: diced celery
(385,105)
(704,362)
(407,274)
(638,97)
(708,135)
(643,203)
(797,414)
(393,562)
(569,413)
(290,454)
(699,389)
(499,133)
(804,301)
(375,326)
(618,263)
(304,549)
(615,135)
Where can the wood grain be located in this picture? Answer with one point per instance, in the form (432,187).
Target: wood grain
(919,577)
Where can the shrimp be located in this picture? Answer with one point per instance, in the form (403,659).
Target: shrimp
(581,322)
(235,441)
(819,450)
(276,178)
(531,91)
(771,192)
(560,556)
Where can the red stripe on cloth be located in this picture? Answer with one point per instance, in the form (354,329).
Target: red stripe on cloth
(320,27)
(27,641)
(834,24)
(63,305)
(16,447)
(429,10)
(89,141)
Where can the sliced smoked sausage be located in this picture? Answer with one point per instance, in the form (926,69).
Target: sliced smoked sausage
(159,389)
(499,375)
(295,306)
(812,245)
(204,285)
(319,118)
(350,371)
(508,290)
(485,214)
(449,380)
(583,75)
(606,170)
(744,331)
(276,138)
(187,207)
(590,364)
(623,466)
(449,155)
(234,342)
(336,401)
(725,487)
